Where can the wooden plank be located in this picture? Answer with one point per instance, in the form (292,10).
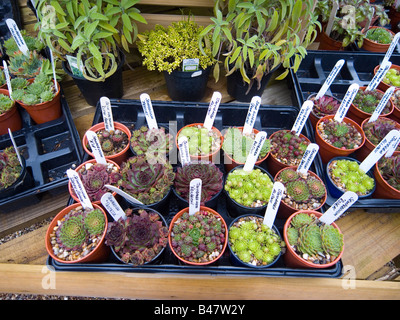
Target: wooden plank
(166,19)
(179,3)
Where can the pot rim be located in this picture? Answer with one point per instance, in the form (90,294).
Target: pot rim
(365,114)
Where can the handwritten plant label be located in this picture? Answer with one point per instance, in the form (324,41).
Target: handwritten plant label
(251,115)
(112,206)
(330,79)
(107,114)
(96,147)
(382,104)
(73,64)
(392,147)
(190,64)
(54,70)
(308,158)
(273,204)
(379,150)
(393,45)
(346,102)
(184,150)
(16,34)
(255,151)
(302,117)
(79,189)
(8,80)
(194,196)
(148,111)
(212,110)
(339,207)
(385,66)
(15,147)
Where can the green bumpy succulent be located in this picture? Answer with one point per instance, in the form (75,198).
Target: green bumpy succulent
(289,175)
(94,222)
(316,188)
(298,190)
(300,220)
(309,240)
(332,240)
(72,233)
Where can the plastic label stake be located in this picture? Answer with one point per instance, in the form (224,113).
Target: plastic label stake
(16,34)
(392,147)
(330,79)
(273,204)
(148,111)
(194,196)
(302,117)
(7,76)
(339,207)
(112,206)
(308,158)
(346,102)
(184,150)
(212,110)
(53,67)
(335,7)
(15,147)
(251,115)
(382,104)
(255,151)
(79,189)
(390,50)
(96,147)
(385,66)
(107,114)
(123,194)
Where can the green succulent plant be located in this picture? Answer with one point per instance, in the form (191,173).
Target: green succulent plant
(10,167)
(379,35)
(154,143)
(33,44)
(26,66)
(390,170)
(201,141)
(5,103)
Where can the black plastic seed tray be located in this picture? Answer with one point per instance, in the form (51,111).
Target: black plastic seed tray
(269,119)
(8,10)
(49,150)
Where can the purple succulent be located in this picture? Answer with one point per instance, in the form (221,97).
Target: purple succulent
(10,168)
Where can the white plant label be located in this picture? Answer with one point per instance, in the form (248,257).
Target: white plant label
(382,104)
(96,147)
(8,80)
(196,74)
(302,117)
(190,64)
(148,111)
(73,64)
(308,158)
(393,45)
(15,147)
(212,110)
(79,189)
(346,102)
(16,34)
(273,204)
(339,207)
(335,7)
(330,79)
(379,150)
(184,150)
(112,206)
(54,70)
(194,196)
(107,114)
(251,115)
(255,151)
(385,66)
(392,147)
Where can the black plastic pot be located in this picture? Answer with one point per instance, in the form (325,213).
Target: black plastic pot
(187,86)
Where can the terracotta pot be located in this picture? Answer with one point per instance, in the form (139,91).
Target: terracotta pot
(213,157)
(99,254)
(45,111)
(395,115)
(286,210)
(70,189)
(230,163)
(178,215)
(359,116)
(327,43)
(394,17)
(327,151)
(313,117)
(11,118)
(373,46)
(383,189)
(120,156)
(383,86)
(292,259)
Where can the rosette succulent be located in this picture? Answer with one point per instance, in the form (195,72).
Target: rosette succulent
(390,170)
(342,135)
(201,141)
(10,168)
(26,66)
(367,101)
(287,147)
(5,103)
(139,238)
(325,105)
(377,130)
(210,175)
(112,142)
(147,182)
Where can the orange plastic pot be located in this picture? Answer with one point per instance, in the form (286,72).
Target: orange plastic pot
(395,115)
(394,17)
(383,190)
(45,111)
(373,46)
(11,118)
(327,151)
(230,163)
(99,254)
(177,216)
(383,86)
(214,156)
(292,259)
(118,157)
(285,210)
(70,189)
(327,43)
(313,117)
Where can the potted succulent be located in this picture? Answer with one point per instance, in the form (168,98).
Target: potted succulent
(287,149)
(252,243)
(377,39)
(394,14)
(33,44)
(166,50)
(26,66)
(198,239)
(211,187)
(9,114)
(343,174)
(326,105)
(256,40)
(338,138)
(77,235)
(311,243)
(302,191)
(92,33)
(94,177)
(237,146)
(391,78)
(247,192)
(138,239)
(387,176)
(395,115)
(3,82)
(39,97)
(115,144)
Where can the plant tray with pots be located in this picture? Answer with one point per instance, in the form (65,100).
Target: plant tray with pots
(49,149)
(270,119)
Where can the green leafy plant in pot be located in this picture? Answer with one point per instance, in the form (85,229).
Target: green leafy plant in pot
(258,36)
